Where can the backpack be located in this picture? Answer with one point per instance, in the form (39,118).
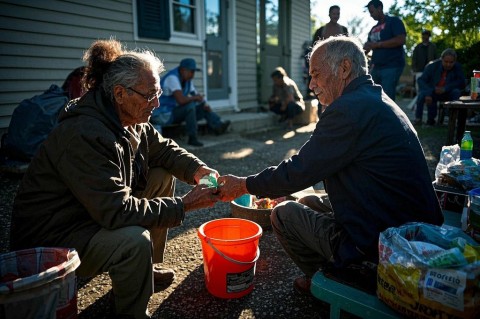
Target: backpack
(32,120)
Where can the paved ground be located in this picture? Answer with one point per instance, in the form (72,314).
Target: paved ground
(272,297)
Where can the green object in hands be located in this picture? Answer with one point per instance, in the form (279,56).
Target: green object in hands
(209,180)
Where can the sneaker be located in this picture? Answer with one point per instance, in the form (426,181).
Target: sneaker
(431,122)
(163,276)
(417,122)
(302,285)
(193,141)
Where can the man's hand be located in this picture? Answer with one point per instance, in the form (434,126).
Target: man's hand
(202,171)
(231,187)
(200,197)
(368,46)
(439,90)
(198,98)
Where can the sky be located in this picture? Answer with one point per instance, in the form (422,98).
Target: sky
(348,10)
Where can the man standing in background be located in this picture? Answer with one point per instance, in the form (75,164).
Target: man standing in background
(423,53)
(386,40)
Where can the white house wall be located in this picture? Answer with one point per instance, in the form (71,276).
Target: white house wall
(246,59)
(300,17)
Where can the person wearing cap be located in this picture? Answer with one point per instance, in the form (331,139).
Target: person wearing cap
(180,102)
(386,40)
(368,154)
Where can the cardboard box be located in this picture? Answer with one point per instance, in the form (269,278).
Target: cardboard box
(310,114)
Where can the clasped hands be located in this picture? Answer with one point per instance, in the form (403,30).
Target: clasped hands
(201,196)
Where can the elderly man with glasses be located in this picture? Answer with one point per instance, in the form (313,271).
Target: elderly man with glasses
(104,180)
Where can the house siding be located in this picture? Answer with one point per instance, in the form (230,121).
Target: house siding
(41,42)
(300,15)
(246,58)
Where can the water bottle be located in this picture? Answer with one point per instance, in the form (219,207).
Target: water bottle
(466,146)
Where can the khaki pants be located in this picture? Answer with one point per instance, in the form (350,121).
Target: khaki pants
(308,232)
(127,253)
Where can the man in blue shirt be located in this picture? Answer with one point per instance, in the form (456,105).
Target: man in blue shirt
(386,40)
(180,102)
(442,80)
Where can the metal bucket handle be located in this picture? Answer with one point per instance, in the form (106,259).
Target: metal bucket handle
(231,259)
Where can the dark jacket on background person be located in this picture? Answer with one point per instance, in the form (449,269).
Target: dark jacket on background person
(422,55)
(432,74)
(85,173)
(374,168)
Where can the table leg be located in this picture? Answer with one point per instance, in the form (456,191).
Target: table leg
(452,120)
(461,122)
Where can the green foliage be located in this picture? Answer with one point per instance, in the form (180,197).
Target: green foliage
(454,24)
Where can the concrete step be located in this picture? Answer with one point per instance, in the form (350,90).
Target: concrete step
(250,121)
(241,122)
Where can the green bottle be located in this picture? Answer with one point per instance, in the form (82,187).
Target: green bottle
(466,146)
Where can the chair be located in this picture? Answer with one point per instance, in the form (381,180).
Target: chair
(441,112)
(349,299)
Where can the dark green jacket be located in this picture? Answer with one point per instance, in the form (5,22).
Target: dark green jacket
(83,177)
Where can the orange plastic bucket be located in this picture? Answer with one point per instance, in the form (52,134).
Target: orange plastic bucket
(230,252)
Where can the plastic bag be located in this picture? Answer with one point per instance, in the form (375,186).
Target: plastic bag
(429,271)
(448,155)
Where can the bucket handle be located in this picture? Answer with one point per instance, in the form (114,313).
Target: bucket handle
(238,262)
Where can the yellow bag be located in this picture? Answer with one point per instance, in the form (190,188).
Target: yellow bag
(426,271)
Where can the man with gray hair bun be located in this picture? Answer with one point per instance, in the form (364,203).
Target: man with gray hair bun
(367,153)
(104,180)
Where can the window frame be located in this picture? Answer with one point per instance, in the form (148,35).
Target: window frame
(174,37)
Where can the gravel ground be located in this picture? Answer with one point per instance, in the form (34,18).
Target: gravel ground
(187,297)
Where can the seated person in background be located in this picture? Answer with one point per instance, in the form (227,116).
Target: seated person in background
(181,102)
(368,154)
(73,83)
(286,99)
(104,180)
(442,80)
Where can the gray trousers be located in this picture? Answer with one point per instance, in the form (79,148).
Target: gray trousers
(308,232)
(127,253)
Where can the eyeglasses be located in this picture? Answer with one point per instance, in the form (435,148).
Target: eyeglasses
(149,98)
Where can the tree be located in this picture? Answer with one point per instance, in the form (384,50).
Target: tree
(454,24)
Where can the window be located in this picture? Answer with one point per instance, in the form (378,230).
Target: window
(159,19)
(183,12)
(153,19)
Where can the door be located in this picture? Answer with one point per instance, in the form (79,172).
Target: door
(216,44)
(274,40)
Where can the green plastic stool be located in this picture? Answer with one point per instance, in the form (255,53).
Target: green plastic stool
(351,300)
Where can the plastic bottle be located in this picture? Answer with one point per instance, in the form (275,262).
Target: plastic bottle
(466,146)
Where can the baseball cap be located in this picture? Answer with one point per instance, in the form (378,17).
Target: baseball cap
(189,64)
(426,32)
